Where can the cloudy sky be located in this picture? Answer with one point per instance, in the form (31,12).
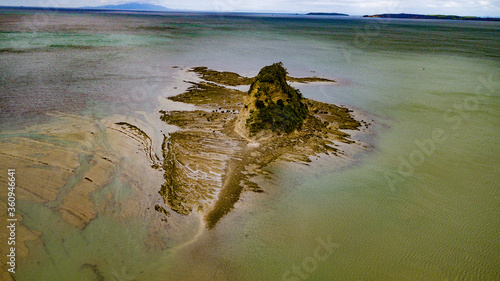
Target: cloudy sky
(354,7)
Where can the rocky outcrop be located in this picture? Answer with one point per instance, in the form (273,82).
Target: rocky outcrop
(210,160)
(271,104)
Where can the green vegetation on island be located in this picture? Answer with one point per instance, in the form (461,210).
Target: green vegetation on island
(278,106)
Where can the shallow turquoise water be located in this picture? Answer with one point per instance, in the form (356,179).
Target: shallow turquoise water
(412,207)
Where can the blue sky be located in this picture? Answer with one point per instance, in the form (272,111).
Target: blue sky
(354,7)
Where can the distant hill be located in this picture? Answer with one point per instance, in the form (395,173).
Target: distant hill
(438,17)
(131,7)
(326,14)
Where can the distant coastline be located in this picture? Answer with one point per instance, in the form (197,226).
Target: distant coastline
(131,7)
(437,17)
(326,14)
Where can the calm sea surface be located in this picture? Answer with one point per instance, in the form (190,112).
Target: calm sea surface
(423,203)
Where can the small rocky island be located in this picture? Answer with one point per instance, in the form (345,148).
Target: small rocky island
(233,135)
(432,17)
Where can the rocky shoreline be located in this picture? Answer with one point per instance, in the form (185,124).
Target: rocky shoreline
(208,164)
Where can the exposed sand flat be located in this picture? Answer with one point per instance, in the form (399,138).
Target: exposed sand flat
(76,208)
(141,137)
(46,166)
(62,164)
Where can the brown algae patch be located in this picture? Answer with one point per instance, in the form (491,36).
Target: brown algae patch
(211,159)
(211,96)
(195,158)
(234,79)
(221,77)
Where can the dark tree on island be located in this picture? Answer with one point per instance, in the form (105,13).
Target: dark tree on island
(278,106)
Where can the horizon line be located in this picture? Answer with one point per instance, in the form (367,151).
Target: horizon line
(227,12)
